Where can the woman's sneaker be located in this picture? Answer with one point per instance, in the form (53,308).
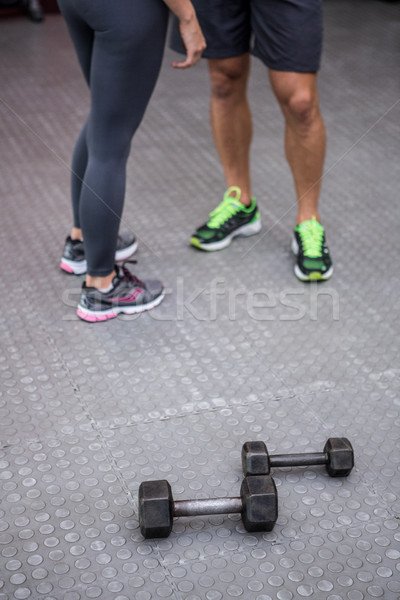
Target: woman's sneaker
(309,244)
(73,259)
(230,219)
(129,295)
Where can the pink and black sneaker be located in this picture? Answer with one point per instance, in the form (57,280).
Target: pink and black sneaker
(128,295)
(73,259)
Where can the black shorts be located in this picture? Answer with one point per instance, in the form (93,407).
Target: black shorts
(285,34)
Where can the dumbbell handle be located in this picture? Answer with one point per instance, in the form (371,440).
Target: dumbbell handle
(298,460)
(337,456)
(209,506)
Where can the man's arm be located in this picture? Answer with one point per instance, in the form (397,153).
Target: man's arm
(191,33)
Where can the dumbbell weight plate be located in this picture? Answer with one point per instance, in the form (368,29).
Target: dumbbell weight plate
(155,509)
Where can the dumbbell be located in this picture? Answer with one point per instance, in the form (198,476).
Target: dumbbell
(337,456)
(258,505)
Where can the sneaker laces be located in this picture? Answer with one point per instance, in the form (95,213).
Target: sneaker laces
(226,209)
(127,275)
(312,236)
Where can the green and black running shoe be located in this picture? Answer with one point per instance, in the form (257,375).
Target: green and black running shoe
(229,220)
(313,260)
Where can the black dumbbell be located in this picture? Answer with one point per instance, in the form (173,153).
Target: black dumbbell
(258,505)
(337,456)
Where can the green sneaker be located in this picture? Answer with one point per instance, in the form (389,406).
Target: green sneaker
(229,220)
(313,260)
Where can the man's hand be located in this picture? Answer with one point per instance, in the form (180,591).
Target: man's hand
(194,42)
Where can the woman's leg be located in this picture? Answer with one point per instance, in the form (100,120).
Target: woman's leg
(127,54)
(78,170)
(121,65)
(82,37)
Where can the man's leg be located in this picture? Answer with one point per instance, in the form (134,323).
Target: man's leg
(237,215)
(305,138)
(231,120)
(305,142)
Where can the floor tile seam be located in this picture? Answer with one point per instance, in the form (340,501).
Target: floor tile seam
(52,344)
(135,506)
(133,502)
(143,420)
(91,421)
(171,580)
(374,490)
(112,463)
(117,471)
(25,443)
(42,438)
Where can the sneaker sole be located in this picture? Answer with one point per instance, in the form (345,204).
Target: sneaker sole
(244,231)
(314,275)
(91,316)
(126,252)
(74,267)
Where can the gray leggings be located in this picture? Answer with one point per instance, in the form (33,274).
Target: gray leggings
(120,46)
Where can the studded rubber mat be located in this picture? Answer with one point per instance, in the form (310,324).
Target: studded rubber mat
(238,350)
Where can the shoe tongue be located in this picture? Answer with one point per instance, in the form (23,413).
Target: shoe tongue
(310,224)
(234,201)
(304,226)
